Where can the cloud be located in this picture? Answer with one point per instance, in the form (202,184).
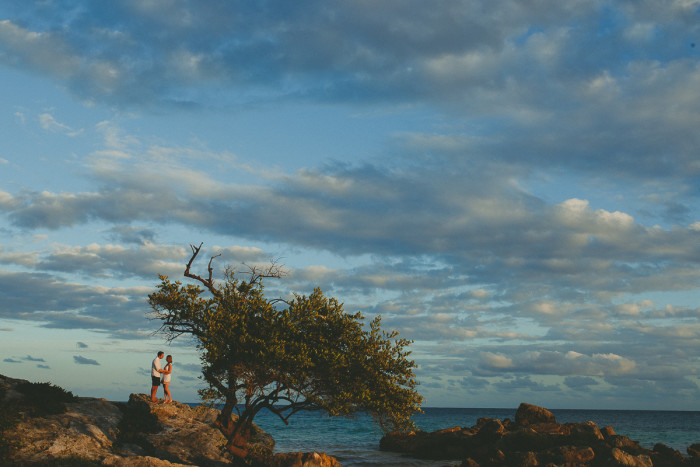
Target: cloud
(131,234)
(548,362)
(580,383)
(81,345)
(11,360)
(44,367)
(49,123)
(478,56)
(84,361)
(530,221)
(54,303)
(29,358)
(525,383)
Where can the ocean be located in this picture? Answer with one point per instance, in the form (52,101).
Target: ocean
(355,442)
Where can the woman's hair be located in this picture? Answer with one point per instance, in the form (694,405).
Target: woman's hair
(168,358)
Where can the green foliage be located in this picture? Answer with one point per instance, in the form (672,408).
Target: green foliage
(44,398)
(286,356)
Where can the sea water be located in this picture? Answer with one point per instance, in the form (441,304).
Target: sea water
(355,442)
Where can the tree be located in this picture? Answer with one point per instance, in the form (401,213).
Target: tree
(285,355)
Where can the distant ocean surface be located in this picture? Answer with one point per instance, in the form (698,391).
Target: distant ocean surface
(355,442)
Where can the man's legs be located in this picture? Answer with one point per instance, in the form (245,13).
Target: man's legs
(155,382)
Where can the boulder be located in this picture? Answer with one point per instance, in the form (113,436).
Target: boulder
(607,432)
(528,414)
(694,450)
(663,455)
(569,455)
(625,459)
(584,433)
(307,459)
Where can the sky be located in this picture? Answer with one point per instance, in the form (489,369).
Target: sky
(512,185)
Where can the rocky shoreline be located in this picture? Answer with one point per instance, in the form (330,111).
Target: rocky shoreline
(138,433)
(535,438)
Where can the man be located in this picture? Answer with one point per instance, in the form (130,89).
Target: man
(155,375)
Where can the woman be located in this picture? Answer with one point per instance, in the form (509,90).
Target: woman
(166,378)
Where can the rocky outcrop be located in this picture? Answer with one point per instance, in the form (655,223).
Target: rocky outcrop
(138,433)
(305,459)
(533,439)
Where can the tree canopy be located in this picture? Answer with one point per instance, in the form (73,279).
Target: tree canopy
(306,353)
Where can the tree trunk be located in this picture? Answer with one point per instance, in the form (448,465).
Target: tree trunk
(238,433)
(238,444)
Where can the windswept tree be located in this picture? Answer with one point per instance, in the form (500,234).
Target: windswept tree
(285,355)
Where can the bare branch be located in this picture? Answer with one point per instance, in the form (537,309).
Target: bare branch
(208,283)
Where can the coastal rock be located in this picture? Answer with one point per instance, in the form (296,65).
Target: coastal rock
(694,450)
(88,429)
(307,459)
(138,433)
(622,458)
(528,414)
(139,461)
(186,435)
(535,439)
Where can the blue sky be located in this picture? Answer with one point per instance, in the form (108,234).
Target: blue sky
(511,185)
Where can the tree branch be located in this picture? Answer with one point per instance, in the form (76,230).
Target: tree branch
(208,283)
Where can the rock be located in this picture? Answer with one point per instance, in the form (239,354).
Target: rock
(622,458)
(138,433)
(528,414)
(583,433)
(489,429)
(187,434)
(139,461)
(694,450)
(664,455)
(535,439)
(88,429)
(299,459)
(569,455)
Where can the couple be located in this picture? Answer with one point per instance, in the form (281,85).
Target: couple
(156,372)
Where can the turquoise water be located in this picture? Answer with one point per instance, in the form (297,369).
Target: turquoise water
(355,442)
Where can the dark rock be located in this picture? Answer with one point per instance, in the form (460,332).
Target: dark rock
(528,414)
(607,432)
(663,455)
(306,459)
(489,430)
(694,450)
(622,458)
(535,439)
(583,433)
(569,455)
(625,443)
